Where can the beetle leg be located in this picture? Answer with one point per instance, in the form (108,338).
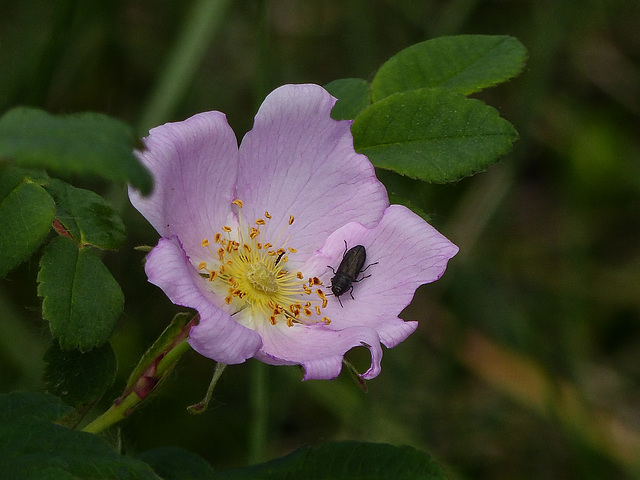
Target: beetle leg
(360,279)
(374,263)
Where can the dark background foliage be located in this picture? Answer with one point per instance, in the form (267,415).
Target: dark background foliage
(526,363)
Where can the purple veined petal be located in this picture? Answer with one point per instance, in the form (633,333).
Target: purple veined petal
(319,350)
(409,252)
(298,161)
(217,336)
(194,164)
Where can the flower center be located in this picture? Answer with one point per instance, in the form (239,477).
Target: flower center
(262,278)
(254,275)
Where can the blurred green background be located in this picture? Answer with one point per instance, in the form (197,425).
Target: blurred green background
(526,363)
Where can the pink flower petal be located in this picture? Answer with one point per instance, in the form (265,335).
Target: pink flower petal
(217,336)
(298,161)
(409,252)
(194,164)
(319,350)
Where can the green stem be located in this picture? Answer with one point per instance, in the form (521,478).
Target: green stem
(202,406)
(260,413)
(171,358)
(118,411)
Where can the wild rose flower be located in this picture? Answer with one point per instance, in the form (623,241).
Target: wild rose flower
(249,233)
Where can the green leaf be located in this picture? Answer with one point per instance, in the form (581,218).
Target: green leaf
(12,176)
(32,448)
(173,463)
(81,300)
(40,405)
(79,379)
(406,191)
(344,461)
(432,134)
(402,200)
(26,214)
(88,217)
(463,63)
(86,143)
(353,94)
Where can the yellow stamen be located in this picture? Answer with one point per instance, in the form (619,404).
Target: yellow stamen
(256,277)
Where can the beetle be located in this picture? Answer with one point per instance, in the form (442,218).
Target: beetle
(348,270)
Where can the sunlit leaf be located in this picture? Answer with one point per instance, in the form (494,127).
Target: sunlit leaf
(432,134)
(462,63)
